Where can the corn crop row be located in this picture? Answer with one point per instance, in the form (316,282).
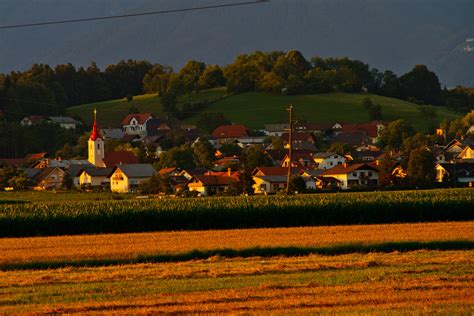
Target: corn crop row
(59,218)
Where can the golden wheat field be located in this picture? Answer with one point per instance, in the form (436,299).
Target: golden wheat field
(123,246)
(377,283)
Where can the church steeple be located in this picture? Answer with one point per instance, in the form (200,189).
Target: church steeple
(96,145)
(95,129)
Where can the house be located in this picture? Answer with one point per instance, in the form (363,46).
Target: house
(372,130)
(299,159)
(356,138)
(36,156)
(298,137)
(326,161)
(467,154)
(135,124)
(454,147)
(323,183)
(273,171)
(352,176)
(269,184)
(276,129)
(207,185)
(113,158)
(95,177)
(33,119)
(49,178)
(225,133)
(189,173)
(455,173)
(276,155)
(273,179)
(365,155)
(127,177)
(249,141)
(225,162)
(112,133)
(59,163)
(169,172)
(64,121)
(152,127)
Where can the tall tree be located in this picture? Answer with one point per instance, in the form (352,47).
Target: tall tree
(421,84)
(421,167)
(392,136)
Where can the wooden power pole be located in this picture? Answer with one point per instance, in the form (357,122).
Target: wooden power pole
(290,149)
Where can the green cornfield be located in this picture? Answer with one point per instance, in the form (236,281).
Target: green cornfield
(131,215)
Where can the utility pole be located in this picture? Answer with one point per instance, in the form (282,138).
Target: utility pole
(290,149)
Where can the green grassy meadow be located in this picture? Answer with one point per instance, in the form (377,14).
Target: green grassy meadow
(111,113)
(255,109)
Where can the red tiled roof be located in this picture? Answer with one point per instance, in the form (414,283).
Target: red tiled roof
(227,160)
(369,128)
(140,117)
(233,174)
(36,118)
(273,171)
(298,137)
(215,180)
(230,131)
(36,156)
(345,169)
(113,158)
(165,171)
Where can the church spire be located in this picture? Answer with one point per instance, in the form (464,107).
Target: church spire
(95,129)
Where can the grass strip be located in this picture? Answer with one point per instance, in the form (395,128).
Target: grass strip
(248,252)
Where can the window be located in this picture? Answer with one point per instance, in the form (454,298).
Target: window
(354,174)
(370,173)
(331,163)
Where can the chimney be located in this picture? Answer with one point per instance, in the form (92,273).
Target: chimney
(229,171)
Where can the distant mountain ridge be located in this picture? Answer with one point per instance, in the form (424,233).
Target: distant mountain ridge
(389,34)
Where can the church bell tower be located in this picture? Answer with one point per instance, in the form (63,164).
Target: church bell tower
(96,146)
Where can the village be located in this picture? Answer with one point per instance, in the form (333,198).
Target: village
(361,165)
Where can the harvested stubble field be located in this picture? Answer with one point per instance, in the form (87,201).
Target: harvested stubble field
(413,282)
(178,246)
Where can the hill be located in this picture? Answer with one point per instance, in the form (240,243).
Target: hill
(111,113)
(256,109)
(393,35)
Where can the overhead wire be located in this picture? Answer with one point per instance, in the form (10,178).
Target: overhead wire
(130,15)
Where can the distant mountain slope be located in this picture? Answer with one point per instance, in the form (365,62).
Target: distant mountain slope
(388,34)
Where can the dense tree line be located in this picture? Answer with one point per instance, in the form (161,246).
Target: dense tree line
(17,141)
(48,91)
(43,90)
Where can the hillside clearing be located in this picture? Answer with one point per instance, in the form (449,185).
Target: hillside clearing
(257,109)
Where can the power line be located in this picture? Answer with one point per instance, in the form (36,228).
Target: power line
(133,14)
